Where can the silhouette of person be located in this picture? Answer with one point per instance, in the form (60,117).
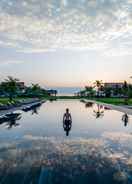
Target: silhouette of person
(67,122)
(125,119)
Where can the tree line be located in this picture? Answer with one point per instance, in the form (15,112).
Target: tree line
(10,88)
(98,89)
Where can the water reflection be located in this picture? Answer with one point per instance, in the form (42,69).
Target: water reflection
(67,127)
(95,153)
(34,108)
(125,119)
(12,122)
(71,161)
(107,108)
(67,122)
(99,111)
(89,104)
(11,119)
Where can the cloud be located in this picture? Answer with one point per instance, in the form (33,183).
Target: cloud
(31,50)
(8,63)
(99,25)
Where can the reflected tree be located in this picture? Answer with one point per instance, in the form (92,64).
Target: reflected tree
(99,112)
(35,110)
(13,118)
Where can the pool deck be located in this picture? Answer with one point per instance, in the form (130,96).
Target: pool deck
(123,109)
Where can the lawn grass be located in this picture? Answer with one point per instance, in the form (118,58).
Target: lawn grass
(5,101)
(59,97)
(68,97)
(114,101)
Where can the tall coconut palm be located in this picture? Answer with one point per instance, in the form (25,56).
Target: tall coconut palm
(36,89)
(98,84)
(125,90)
(89,91)
(10,87)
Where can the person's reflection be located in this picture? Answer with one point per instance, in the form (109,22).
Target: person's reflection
(99,112)
(67,122)
(125,119)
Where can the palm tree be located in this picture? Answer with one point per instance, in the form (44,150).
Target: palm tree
(89,91)
(98,84)
(55,92)
(10,87)
(125,90)
(35,89)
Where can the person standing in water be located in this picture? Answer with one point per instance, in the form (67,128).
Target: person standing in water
(125,119)
(67,121)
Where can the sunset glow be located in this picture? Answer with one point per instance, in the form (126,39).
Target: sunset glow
(66,42)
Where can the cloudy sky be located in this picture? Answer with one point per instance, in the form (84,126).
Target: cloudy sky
(66,42)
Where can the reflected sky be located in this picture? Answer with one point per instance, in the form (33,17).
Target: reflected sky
(97,150)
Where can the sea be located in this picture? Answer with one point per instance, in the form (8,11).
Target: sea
(67,91)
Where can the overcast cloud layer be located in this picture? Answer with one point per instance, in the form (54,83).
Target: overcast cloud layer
(43,25)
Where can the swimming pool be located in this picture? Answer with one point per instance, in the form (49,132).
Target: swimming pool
(34,147)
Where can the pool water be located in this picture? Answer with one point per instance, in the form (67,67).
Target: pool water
(97,148)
